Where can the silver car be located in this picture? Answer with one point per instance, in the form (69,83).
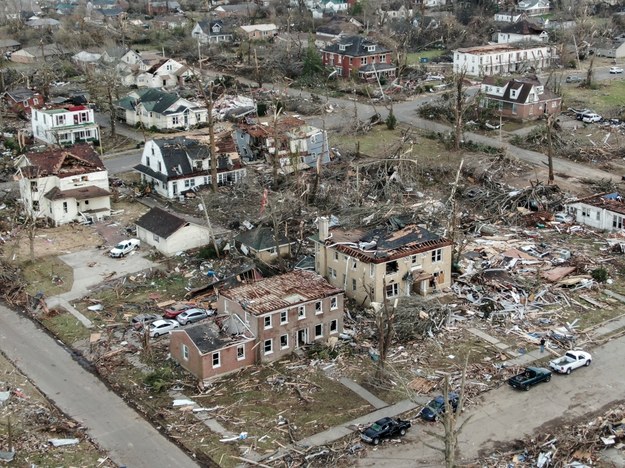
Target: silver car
(193,315)
(162,327)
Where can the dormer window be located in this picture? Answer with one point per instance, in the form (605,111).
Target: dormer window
(342,47)
(371,48)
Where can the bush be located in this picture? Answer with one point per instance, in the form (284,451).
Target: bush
(391,120)
(159,380)
(600,275)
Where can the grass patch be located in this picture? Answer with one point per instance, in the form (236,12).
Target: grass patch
(66,327)
(413,58)
(49,275)
(255,398)
(604,99)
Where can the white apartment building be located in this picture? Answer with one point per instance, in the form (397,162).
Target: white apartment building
(502,58)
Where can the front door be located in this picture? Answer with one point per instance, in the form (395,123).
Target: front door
(302,337)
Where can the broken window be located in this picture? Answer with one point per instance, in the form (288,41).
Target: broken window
(336,256)
(354,264)
(354,287)
(268,346)
(33,186)
(318,307)
(392,267)
(64,207)
(301,312)
(284,318)
(267,321)
(334,303)
(35,205)
(240,353)
(318,330)
(331,272)
(392,290)
(216,360)
(284,341)
(334,326)
(437,255)
(617,222)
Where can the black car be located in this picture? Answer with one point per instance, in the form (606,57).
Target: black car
(435,408)
(384,428)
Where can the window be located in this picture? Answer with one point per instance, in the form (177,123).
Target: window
(331,272)
(284,317)
(175,120)
(437,255)
(301,312)
(334,326)
(64,207)
(187,183)
(156,238)
(598,215)
(413,259)
(33,186)
(383,58)
(363,61)
(617,222)
(35,205)
(284,341)
(185,352)
(240,353)
(268,346)
(147,161)
(334,303)
(216,360)
(160,167)
(354,264)
(267,321)
(372,270)
(318,307)
(392,267)
(353,284)
(318,330)
(392,290)
(336,256)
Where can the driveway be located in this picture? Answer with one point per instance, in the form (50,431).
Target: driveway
(506,415)
(92,267)
(127,437)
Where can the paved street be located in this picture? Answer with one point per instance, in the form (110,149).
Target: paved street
(505,414)
(128,438)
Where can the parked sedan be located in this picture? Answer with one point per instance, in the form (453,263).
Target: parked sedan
(573,79)
(144,319)
(176,309)
(436,408)
(193,315)
(615,70)
(162,327)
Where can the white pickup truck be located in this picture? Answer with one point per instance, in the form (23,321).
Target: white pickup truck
(570,361)
(124,247)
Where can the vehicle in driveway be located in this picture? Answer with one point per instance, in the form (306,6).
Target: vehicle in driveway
(144,319)
(176,309)
(193,315)
(436,408)
(563,217)
(573,79)
(591,118)
(570,361)
(385,428)
(615,70)
(162,327)
(530,377)
(124,248)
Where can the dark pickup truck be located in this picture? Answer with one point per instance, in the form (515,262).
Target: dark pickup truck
(530,376)
(384,428)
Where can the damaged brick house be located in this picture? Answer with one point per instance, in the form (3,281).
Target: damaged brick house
(178,165)
(272,317)
(519,99)
(357,56)
(299,145)
(64,184)
(388,261)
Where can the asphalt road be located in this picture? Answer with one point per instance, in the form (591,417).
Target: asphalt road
(125,435)
(506,415)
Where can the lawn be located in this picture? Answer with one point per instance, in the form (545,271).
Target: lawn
(414,57)
(604,99)
(49,275)
(65,326)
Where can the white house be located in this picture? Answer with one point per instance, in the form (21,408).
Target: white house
(501,58)
(170,234)
(335,6)
(175,166)
(211,32)
(64,125)
(155,108)
(533,7)
(64,184)
(434,3)
(167,73)
(259,31)
(522,31)
(508,16)
(605,211)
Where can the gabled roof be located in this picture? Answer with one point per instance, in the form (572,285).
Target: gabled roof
(523,27)
(160,222)
(22,94)
(8,43)
(281,292)
(208,337)
(62,162)
(610,201)
(152,99)
(522,86)
(355,46)
(261,238)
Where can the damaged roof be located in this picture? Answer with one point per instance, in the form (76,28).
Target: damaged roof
(208,338)
(161,222)
(261,238)
(280,292)
(523,27)
(610,201)
(390,241)
(355,46)
(62,162)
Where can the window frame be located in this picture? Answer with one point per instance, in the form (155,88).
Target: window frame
(216,364)
(269,342)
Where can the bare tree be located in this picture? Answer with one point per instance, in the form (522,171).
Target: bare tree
(459,108)
(384,320)
(551,119)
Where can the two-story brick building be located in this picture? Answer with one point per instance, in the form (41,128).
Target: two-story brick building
(385,262)
(64,125)
(358,56)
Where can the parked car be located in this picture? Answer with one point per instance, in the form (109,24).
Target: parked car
(124,248)
(563,217)
(385,428)
(193,315)
(176,309)
(573,79)
(529,377)
(436,408)
(615,70)
(144,319)
(591,118)
(162,327)
(570,361)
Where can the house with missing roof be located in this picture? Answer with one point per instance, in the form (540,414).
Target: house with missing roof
(169,233)
(64,184)
(519,98)
(22,100)
(256,32)
(604,211)
(357,56)
(388,261)
(299,145)
(175,166)
(259,322)
(263,243)
(522,31)
(152,107)
(64,125)
(166,73)
(497,59)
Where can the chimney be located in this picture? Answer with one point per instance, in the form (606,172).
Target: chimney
(324,228)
